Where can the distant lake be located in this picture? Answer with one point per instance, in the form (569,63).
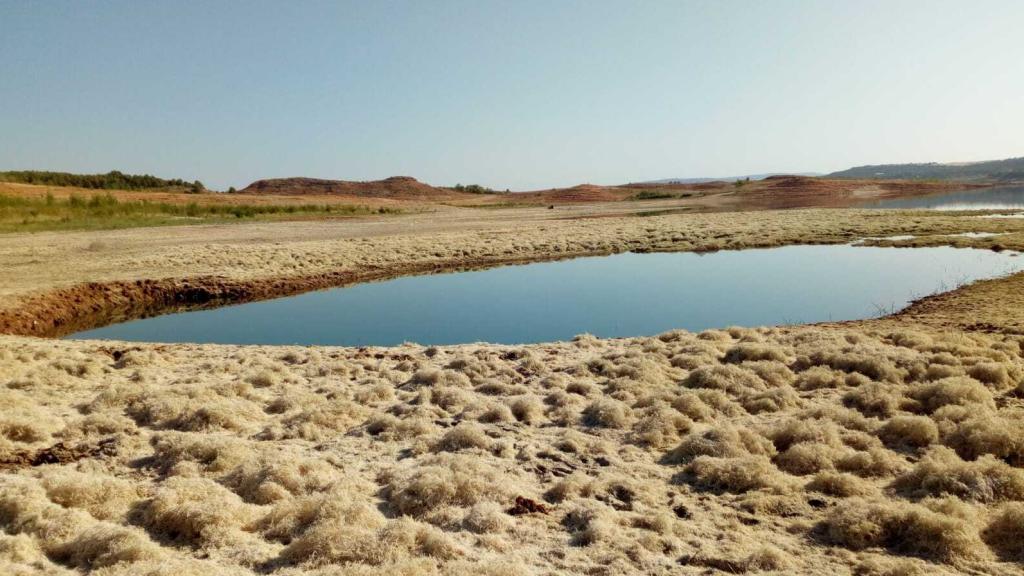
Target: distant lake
(621,295)
(1002,198)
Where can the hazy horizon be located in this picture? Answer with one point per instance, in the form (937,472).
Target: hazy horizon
(523,95)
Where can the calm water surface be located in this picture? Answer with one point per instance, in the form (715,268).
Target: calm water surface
(1004,198)
(622,295)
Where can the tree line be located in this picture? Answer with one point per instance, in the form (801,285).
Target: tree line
(113,180)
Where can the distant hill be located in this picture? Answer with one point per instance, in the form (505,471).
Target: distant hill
(112,180)
(403,187)
(728,178)
(1008,170)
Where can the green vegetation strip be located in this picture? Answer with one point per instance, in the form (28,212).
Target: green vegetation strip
(103,211)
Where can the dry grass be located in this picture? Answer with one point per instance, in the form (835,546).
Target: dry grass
(410,459)
(889,447)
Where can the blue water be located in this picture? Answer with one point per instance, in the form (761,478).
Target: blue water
(1003,198)
(622,295)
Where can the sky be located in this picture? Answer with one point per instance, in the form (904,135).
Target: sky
(519,94)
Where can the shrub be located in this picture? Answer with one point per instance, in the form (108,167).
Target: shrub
(723,441)
(736,475)
(942,472)
(607,413)
(873,399)
(913,431)
(465,436)
(989,434)
(726,378)
(953,391)
(903,529)
(838,484)
(807,458)
(1005,533)
(753,352)
(196,511)
(444,481)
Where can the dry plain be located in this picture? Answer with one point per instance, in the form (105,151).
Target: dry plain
(883,447)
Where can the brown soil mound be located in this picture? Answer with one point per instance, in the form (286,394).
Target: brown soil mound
(393,187)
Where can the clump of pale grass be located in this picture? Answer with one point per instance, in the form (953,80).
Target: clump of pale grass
(1005,532)
(727,378)
(338,540)
(774,400)
(752,352)
(805,430)
(868,363)
(690,405)
(982,434)
(723,441)
(873,399)
(465,436)
(873,462)
(67,535)
(942,472)
(956,391)
(909,431)
(104,497)
(265,480)
(840,484)
(607,413)
(213,453)
(105,545)
(807,458)
(818,377)
(589,522)
(903,529)
(659,426)
(196,511)
(445,480)
(996,375)
(486,518)
(23,420)
(390,428)
(528,409)
(736,475)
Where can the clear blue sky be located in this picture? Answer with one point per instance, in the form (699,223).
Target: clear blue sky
(516,94)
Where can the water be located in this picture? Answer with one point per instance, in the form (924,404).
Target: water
(622,295)
(1003,198)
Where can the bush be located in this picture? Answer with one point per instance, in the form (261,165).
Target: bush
(942,472)
(903,529)
(735,475)
(1005,533)
(912,431)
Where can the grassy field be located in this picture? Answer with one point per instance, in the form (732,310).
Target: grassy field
(105,212)
(886,447)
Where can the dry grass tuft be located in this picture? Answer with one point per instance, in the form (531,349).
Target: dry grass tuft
(903,529)
(23,421)
(196,511)
(724,441)
(445,480)
(1005,533)
(735,475)
(909,431)
(942,472)
(982,434)
(607,413)
(841,485)
(957,391)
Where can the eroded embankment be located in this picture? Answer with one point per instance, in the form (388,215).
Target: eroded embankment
(85,306)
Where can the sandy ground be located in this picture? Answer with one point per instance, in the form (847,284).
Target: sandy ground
(883,447)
